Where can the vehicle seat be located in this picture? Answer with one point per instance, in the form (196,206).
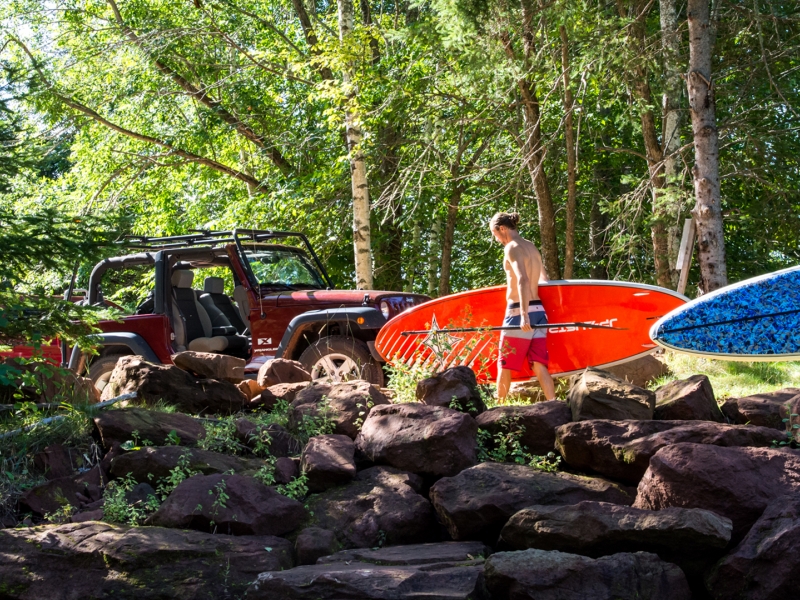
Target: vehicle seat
(219,305)
(193,328)
(243,303)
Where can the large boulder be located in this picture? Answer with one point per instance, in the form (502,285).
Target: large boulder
(313,543)
(280,441)
(232,504)
(282,370)
(597,394)
(155,463)
(328,461)
(551,575)
(99,560)
(251,389)
(737,483)
(767,410)
(689,399)
(413,554)
(117,427)
(207,365)
(456,387)
(74,491)
(622,449)
(346,404)
(689,537)
(366,581)
(153,383)
(382,506)
(476,503)
(57,461)
(428,440)
(641,371)
(288,391)
(764,565)
(537,423)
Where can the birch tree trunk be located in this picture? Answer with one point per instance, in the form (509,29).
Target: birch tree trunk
(671,124)
(433,256)
(702,103)
(572,169)
(358,167)
(449,236)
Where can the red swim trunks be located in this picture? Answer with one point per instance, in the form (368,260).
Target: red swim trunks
(517,346)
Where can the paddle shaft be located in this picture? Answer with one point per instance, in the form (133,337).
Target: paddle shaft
(512,328)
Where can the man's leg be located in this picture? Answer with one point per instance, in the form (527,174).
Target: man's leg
(545,380)
(503,383)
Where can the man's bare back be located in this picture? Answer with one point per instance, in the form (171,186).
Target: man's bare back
(528,257)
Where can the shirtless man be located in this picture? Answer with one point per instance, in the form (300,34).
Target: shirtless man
(524,272)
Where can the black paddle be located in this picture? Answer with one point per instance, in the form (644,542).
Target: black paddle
(512,328)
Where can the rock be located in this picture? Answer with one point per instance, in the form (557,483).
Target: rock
(737,483)
(348,404)
(597,394)
(366,581)
(45,382)
(622,449)
(689,537)
(314,543)
(455,387)
(207,365)
(764,564)
(56,461)
(251,508)
(641,371)
(280,441)
(413,554)
(281,370)
(88,515)
(689,399)
(286,469)
(476,503)
(767,410)
(538,420)
(99,560)
(428,440)
(153,383)
(288,391)
(117,427)
(74,491)
(250,388)
(266,400)
(328,461)
(551,575)
(155,463)
(381,506)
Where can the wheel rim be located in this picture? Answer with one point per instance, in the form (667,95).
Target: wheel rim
(103,380)
(335,368)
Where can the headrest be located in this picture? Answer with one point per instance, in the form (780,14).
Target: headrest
(214,285)
(182,278)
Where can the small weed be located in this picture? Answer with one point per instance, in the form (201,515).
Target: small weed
(173,439)
(266,474)
(117,509)
(319,424)
(296,489)
(178,474)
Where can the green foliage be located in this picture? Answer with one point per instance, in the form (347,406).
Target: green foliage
(506,446)
(117,508)
(320,423)
(296,489)
(181,472)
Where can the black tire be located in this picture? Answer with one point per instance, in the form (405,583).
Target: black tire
(349,358)
(100,369)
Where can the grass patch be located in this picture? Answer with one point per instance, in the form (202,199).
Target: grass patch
(732,379)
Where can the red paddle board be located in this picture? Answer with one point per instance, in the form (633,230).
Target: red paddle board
(630,307)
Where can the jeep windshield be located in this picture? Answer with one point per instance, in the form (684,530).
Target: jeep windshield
(283,268)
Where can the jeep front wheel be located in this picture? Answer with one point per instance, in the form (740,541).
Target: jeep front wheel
(338,358)
(101,368)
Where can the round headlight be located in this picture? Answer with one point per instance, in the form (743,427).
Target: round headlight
(385,309)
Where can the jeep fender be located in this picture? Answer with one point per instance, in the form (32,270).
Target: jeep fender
(133,341)
(357,318)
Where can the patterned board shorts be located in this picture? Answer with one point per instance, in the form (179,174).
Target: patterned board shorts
(517,346)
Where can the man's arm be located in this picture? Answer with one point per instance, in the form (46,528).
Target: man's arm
(515,258)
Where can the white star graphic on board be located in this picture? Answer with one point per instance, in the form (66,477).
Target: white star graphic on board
(438,340)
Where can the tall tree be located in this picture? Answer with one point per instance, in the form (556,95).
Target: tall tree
(362,244)
(702,102)
(572,166)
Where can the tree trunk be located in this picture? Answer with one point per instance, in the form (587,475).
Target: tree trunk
(671,124)
(413,257)
(702,103)
(358,167)
(433,257)
(449,235)
(533,149)
(572,169)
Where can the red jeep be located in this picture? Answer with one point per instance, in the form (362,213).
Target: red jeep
(247,293)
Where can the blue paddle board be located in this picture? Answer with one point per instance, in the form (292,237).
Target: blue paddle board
(755,319)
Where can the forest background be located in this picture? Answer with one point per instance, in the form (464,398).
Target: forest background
(410,122)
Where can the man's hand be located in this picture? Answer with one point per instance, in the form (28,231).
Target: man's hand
(525,322)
